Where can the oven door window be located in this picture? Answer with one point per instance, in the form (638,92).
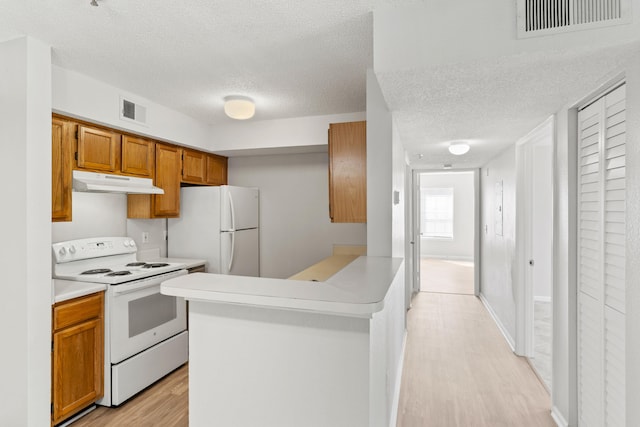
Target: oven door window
(149,312)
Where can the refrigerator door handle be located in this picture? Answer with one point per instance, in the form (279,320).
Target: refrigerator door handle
(233,213)
(233,243)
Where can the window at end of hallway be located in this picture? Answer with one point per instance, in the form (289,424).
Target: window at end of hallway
(437,213)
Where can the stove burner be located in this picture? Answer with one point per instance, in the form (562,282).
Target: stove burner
(155,265)
(97,271)
(119,273)
(136,264)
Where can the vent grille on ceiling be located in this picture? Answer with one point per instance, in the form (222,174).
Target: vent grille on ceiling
(131,111)
(543,17)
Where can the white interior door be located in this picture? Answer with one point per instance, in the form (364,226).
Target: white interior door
(601,261)
(537,217)
(416,235)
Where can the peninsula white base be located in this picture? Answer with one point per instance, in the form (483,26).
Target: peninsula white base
(257,360)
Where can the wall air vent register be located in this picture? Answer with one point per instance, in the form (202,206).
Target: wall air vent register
(132,111)
(544,17)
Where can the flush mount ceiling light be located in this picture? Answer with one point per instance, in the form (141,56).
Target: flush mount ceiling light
(239,107)
(458,149)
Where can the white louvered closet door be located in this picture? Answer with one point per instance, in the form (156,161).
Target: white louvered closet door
(601,262)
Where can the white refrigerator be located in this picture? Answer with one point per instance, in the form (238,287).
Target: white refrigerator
(220,225)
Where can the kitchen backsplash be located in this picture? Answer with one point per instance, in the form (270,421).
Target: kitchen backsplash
(94,215)
(105,215)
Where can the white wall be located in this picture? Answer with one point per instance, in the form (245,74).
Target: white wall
(461,246)
(80,96)
(263,137)
(380,180)
(156,245)
(498,252)
(25,256)
(564,392)
(398,210)
(633,240)
(295,229)
(94,215)
(482,31)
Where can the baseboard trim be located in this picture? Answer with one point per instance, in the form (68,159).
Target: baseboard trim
(558,418)
(393,419)
(542,299)
(497,321)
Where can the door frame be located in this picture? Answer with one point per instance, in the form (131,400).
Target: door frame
(413,235)
(524,345)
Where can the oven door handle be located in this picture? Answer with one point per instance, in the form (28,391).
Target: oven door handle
(144,284)
(123,290)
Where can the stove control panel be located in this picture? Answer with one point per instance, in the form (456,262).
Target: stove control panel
(75,250)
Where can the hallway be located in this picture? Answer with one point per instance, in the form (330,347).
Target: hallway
(459,371)
(446,276)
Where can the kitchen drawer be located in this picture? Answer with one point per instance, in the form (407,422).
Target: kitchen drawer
(78,310)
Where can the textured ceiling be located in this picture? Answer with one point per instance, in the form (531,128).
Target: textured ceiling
(294,57)
(490,104)
(303,58)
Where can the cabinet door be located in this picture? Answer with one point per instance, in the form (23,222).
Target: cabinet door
(97,149)
(216,170)
(61,164)
(167,178)
(137,156)
(78,364)
(348,172)
(193,166)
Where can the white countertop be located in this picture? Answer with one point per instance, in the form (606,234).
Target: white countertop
(357,290)
(66,289)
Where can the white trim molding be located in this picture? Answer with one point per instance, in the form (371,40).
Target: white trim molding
(558,418)
(393,419)
(496,319)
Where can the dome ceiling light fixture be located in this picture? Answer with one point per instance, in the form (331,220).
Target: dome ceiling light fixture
(239,107)
(459,149)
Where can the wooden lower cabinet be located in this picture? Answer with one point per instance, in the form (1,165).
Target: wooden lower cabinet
(77,355)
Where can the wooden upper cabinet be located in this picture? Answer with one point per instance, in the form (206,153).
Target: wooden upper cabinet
(97,149)
(168,178)
(138,156)
(216,170)
(78,355)
(194,166)
(348,172)
(61,165)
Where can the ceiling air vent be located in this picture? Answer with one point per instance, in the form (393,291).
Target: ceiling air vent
(131,111)
(544,17)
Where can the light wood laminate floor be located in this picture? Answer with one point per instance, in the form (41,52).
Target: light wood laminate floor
(459,371)
(164,404)
(446,276)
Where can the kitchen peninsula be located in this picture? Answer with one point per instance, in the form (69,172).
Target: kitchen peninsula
(276,352)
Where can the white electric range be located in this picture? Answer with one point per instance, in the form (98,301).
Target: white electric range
(145,331)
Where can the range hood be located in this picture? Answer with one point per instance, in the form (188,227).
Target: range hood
(105,183)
